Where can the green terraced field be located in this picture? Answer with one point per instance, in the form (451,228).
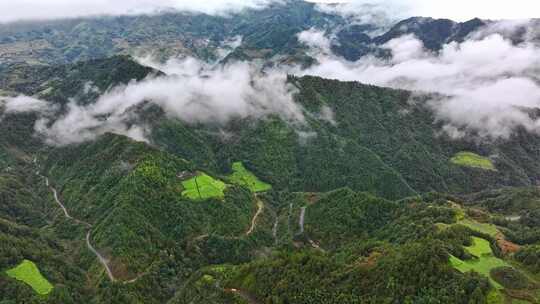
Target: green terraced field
(480,227)
(28,273)
(484,262)
(244,177)
(469,159)
(203,187)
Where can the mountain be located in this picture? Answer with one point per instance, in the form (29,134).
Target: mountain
(434,33)
(363,200)
(265,33)
(128,197)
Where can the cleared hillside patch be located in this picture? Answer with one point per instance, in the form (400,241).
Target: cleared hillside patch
(484,262)
(28,273)
(203,186)
(473,160)
(242,176)
(486,228)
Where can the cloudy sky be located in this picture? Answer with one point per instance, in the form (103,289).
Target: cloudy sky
(460,9)
(454,9)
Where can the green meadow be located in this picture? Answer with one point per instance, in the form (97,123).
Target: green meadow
(28,273)
(244,177)
(203,187)
(469,159)
(483,262)
(489,229)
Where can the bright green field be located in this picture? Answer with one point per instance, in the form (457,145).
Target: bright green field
(202,187)
(242,176)
(484,262)
(28,272)
(480,227)
(469,159)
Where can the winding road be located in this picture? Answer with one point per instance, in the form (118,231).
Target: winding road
(100,257)
(102,260)
(260,206)
(302,218)
(301,225)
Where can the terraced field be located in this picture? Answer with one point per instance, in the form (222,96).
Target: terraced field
(244,177)
(489,229)
(28,273)
(469,159)
(203,186)
(483,262)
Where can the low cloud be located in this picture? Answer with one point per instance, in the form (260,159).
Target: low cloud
(459,10)
(490,82)
(191,91)
(316,40)
(23,104)
(55,9)
(380,14)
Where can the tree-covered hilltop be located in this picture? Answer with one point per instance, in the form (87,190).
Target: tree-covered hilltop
(364,137)
(269,32)
(335,210)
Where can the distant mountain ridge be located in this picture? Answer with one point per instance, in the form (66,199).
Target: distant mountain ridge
(266,33)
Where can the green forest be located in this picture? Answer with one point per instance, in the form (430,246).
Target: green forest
(378,206)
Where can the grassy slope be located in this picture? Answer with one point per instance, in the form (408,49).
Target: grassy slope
(483,262)
(473,160)
(203,187)
(486,228)
(243,176)
(29,273)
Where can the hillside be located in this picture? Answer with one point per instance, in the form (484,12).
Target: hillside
(227,176)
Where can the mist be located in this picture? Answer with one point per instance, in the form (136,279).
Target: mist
(486,85)
(458,10)
(24,104)
(192,91)
(57,9)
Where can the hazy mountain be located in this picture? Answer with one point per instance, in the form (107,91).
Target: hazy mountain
(220,178)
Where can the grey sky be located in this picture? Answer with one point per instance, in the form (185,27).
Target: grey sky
(454,9)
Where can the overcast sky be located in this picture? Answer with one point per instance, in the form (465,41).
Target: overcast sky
(455,9)
(462,10)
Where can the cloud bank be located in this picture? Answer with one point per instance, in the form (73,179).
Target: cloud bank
(459,10)
(24,104)
(191,92)
(490,82)
(54,9)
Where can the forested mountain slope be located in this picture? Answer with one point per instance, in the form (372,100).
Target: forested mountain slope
(343,218)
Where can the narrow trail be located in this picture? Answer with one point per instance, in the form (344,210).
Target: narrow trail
(301,221)
(302,218)
(275,230)
(100,257)
(260,206)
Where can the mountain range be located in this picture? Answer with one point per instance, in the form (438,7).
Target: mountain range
(312,191)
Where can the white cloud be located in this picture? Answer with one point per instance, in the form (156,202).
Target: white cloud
(490,81)
(192,92)
(315,39)
(53,9)
(459,10)
(21,104)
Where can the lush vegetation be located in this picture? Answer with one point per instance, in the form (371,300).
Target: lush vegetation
(486,228)
(244,177)
(473,160)
(203,186)
(349,217)
(483,262)
(28,273)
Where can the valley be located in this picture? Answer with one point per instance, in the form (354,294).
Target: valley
(247,157)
